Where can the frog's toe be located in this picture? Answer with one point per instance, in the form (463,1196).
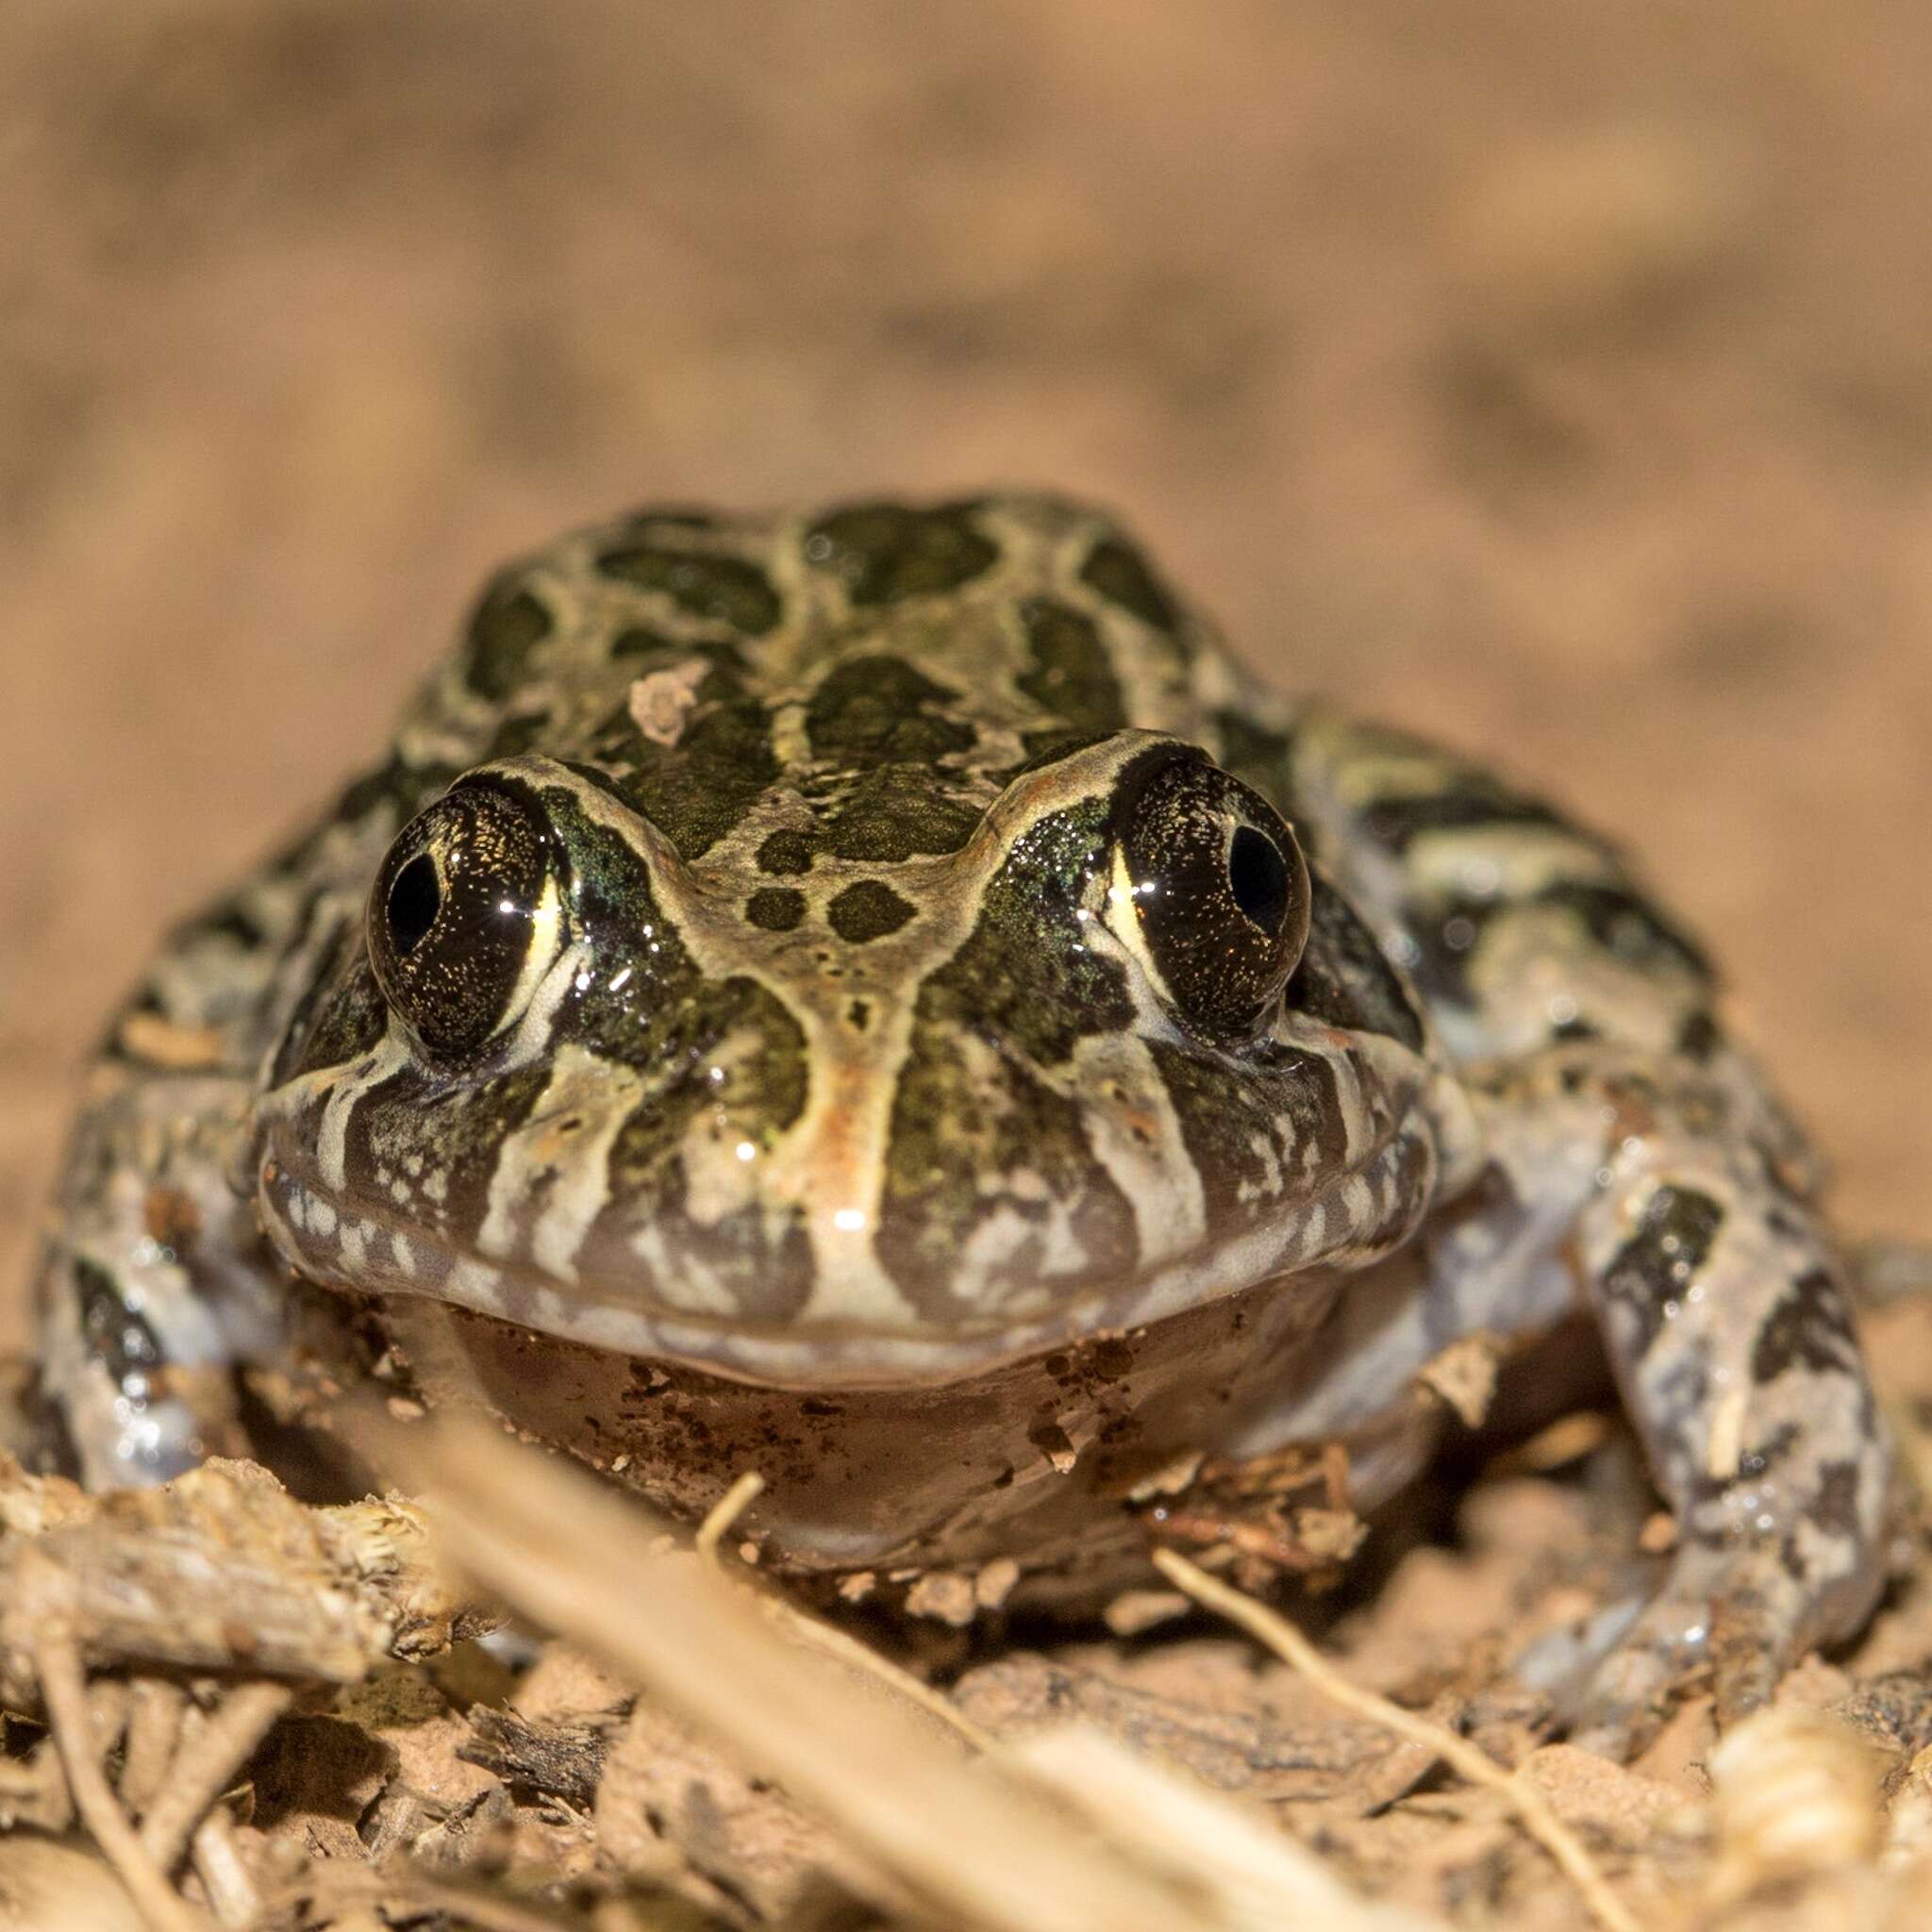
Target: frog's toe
(1625,1694)
(1735,1618)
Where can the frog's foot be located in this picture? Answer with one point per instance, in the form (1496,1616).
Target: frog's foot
(1736,1618)
(1706,1621)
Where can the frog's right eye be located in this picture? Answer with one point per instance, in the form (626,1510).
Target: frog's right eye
(1219,886)
(464,917)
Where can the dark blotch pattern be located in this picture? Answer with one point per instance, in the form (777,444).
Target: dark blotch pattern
(867,910)
(696,791)
(1655,1267)
(1475,804)
(119,1337)
(515,735)
(765,1260)
(1260,757)
(775,909)
(402,786)
(457,1128)
(897,811)
(720,590)
(1448,932)
(878,711)
(1287,1104)
(1121,576)
(1628,927)
(1026,973)
(1811,1328)
(508,624)
(346,1019)
(1071,676)
(1698,1037)
(889,551)
(785,853)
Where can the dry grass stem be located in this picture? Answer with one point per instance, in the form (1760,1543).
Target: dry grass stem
(63,1686)
(207,1761)
(1258,1879)
(725,1511)
(835,1644)
(154,1709)
(580,1561)
(223,1875)
(1530,1804)
(843,1647)
(348,1897)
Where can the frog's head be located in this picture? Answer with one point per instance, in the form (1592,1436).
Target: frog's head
(1110,1050)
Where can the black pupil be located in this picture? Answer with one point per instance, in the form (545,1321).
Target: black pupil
(413,898)
(1256,875)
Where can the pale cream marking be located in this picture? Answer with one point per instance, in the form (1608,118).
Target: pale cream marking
(1120,910)
(983,1260)
(1273,1180)
(1723,1448)
(546,934)
(791,741)
(841,1355)
(600,1096)
(1511,861)
(1533,971)
(344,1088)
(660,703)
(1119,1090)
(698,1286)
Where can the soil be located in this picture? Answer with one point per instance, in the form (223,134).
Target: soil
(1556,382)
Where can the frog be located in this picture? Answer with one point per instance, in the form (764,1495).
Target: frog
(881,997)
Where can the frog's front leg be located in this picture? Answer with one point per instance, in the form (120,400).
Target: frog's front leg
(1730,1327)
(1725,1313)
(152,1279)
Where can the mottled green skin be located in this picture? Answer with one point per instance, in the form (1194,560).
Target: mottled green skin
(844,1055)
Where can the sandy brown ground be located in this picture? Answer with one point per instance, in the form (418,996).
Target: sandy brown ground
(1558,380)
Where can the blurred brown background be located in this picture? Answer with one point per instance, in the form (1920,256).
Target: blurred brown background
(1555,379)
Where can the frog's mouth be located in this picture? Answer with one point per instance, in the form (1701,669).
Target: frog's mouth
(840,1332)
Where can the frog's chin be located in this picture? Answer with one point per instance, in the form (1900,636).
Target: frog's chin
(844,1333)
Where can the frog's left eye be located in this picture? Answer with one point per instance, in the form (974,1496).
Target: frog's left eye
(1220,887)
(463,916)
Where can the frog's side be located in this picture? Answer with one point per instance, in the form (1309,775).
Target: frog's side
(834,1023)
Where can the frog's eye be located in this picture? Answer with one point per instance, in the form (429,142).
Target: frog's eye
(1221,890)
(463,916)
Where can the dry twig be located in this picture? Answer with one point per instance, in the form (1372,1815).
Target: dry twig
(154,1709)
(579,1560)
(1530,1804)
(838,1645)
(63,1686)
(204,1764)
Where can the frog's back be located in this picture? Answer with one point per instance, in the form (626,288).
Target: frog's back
(888,667)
